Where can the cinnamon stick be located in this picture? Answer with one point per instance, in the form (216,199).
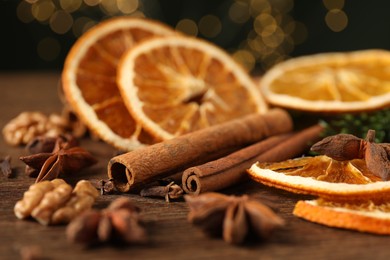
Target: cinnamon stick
(144,165)
(230,170)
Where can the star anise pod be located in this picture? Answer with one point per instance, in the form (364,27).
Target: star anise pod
(343,147)
(65,158)
(235,218)
(119,222)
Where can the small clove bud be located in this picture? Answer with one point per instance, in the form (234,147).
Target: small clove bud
(170,191)
(5,165)
(105,186)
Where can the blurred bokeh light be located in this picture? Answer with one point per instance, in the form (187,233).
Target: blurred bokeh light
(257,33)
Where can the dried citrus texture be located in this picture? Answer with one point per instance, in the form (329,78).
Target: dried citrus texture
(89,78)
(364,217)
(324,177)
(175,85)
(331,82)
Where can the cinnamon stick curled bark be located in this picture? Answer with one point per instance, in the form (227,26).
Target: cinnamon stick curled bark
(227,171)
(144,165)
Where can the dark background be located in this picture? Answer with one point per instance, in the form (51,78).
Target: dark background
(368,27)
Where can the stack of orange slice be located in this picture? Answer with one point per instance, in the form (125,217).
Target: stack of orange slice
(134,82)
(350,195)
(89,79)
(331,83)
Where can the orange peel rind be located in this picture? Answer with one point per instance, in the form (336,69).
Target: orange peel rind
(305,185)
(376,220)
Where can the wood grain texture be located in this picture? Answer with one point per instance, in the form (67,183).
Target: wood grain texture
(171,236)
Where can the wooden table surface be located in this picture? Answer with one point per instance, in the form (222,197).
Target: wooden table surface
(171,236)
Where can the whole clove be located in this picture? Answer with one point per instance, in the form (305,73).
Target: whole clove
(5,165)
(170,191)
(104,186)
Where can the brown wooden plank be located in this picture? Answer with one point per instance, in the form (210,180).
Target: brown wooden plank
(171,236)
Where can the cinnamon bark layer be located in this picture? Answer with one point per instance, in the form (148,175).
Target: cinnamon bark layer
(223,172)
(226,171)
(144,165)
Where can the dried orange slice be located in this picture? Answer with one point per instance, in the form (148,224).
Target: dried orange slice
(364,217)
(175,85)
(323,177)
(330,82)
(89,78)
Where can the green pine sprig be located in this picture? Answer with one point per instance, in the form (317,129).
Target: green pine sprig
(359,124)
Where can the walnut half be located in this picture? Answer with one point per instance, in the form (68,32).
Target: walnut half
(55,202)
(31,124)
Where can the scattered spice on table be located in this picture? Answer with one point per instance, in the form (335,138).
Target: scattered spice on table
(105,186)
(65,158)
(120,221)
(168,191)
(234,218)
(5,165)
